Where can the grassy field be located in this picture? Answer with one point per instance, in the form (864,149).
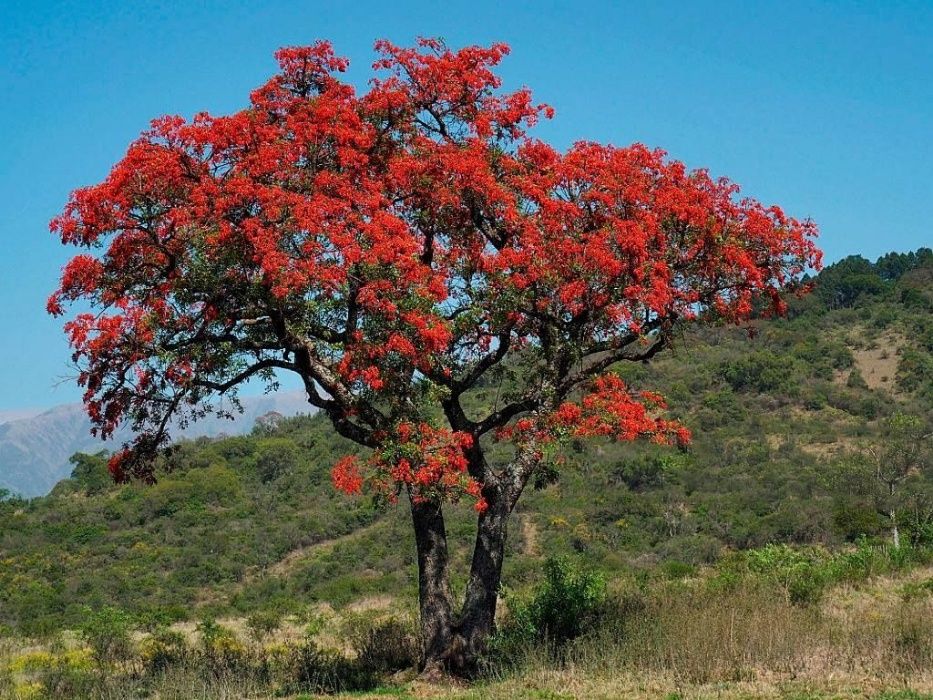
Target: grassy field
(777,622)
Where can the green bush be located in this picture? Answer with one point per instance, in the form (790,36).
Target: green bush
(107,633)
(162,650)
(276,457)
(675,570)
(797,571)
(561,608)
(763,371)
(316,670)
(57,673)
(262,623)
(220,650)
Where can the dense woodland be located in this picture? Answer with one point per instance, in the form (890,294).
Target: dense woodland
(788,417)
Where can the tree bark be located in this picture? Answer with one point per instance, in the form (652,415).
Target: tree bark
(433,584)
(895,534)
(450,645)
(477,618)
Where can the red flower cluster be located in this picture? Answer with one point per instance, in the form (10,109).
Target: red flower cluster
(431,462)
(607,409)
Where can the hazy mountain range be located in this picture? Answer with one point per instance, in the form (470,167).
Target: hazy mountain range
(35,446)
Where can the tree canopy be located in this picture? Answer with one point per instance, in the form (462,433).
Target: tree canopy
(391,248)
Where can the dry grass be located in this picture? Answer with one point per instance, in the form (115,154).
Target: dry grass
(686,639)
(878,363)
(692,642)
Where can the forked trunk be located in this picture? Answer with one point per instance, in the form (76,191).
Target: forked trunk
(477,619)
(453,645)
(433,584)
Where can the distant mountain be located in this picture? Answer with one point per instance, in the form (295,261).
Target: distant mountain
(18,414)
(35,447)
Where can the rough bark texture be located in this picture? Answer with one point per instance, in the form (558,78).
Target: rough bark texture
(478,616)
(451,645)
(433,583)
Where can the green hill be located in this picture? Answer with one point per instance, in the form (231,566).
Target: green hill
(251,523)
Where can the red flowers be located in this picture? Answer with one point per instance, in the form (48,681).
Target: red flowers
(607,409)
(429,461)
(392,248)
(346,476)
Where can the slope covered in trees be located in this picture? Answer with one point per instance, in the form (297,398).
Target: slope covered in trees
(781,421)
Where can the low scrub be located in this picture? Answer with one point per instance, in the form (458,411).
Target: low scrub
(772,613)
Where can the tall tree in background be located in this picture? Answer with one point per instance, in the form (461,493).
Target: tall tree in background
(904,452)
(391,249)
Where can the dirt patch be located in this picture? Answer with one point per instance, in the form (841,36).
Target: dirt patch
(530,536)
(878,363)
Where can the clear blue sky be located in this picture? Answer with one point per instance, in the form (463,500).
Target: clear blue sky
(825,108)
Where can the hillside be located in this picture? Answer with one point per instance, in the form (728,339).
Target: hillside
(245,523)
(35,446)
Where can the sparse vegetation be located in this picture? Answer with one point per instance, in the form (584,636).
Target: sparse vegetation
(740,627)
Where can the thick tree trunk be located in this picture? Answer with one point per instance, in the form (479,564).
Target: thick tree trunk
(456,645)
(433,584)
(895,534)
(478,616)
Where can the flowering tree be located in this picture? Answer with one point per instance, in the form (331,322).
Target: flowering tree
(392,248)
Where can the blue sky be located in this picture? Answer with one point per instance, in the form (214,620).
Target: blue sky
(825,108)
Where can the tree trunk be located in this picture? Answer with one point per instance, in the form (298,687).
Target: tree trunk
(895,535)
(478,616)
(433,584)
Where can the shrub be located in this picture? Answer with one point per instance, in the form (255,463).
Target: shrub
(797,571)
(561,608)
(220,650)
(276,457)
(855,519)
(262,623)
(161,650)
(388,647)
(316,670)
(675,570)
(107,632)
(58,673)
(855,380)
(763,371)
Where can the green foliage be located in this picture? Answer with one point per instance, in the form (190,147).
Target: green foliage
(221,650)
(847,281)
(276,457)
(387,647)
(163,649)
(805,573)
(316,670)
(90,472)
(560,609)
(646,471)
(796,571)
(262,623)
(779,423)
(56,673)
(762,371)
(107,633)
(915,370)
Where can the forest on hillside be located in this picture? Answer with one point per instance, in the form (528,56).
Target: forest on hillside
(780,485)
